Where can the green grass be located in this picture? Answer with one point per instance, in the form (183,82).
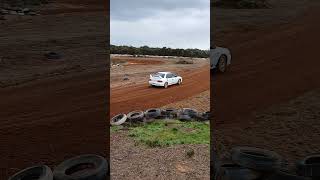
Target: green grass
(115,129)
(164,133)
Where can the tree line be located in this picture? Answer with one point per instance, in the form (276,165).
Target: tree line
(164,51)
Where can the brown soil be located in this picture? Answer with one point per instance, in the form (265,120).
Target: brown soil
(129,160)
(52,110)
(291,129)
(271,66)
(139,73)
(200,102)
(142,97)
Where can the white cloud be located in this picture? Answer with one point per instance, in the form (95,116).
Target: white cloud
(179,27)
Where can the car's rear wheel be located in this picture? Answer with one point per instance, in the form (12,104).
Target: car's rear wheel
(222,64)
(166,85)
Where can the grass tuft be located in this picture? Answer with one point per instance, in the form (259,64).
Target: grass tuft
(161,133)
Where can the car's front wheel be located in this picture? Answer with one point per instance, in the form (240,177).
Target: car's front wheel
(179,82)
(222,64)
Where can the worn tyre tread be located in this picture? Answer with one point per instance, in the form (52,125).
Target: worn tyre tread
(116,122)
(136,118)
(41,172)
(99,172)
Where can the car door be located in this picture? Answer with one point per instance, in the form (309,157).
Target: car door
(169,78)
(174,79)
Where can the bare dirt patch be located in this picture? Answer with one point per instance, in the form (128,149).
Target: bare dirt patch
(292,129)
(200,102)
(41,100)
(268,73)
(229,22)
(129,160)
(137,70)
(142,96)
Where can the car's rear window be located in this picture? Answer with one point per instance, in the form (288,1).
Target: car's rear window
(159,75)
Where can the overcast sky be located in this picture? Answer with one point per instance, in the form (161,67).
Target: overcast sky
(159,23)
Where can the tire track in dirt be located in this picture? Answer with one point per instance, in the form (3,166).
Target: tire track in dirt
(141,97)
(52,119)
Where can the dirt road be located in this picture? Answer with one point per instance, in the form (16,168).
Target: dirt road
(50,120)
(270,66)
(141,97)
(51,110)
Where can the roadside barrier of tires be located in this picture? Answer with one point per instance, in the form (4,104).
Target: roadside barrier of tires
(83,167)
(249,163)
(184,114)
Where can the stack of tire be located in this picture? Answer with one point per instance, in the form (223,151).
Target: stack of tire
(169,113)
(189,114)
(248,163)
(84,167)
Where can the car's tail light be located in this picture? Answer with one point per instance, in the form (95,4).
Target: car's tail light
(159,81)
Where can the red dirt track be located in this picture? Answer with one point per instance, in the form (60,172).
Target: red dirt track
(48,120)
(51,120)
(270,66)
(141,97)
(53,116)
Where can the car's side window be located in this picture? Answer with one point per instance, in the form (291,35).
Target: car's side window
(169,75)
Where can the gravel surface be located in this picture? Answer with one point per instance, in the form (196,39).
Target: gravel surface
(129,160)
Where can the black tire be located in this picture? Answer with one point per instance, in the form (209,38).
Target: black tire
(191,112)
(222,64)
(135,116)
(169,113)
(206,116)
(184,117)
(235,172)
(165,85)
(179,82)
(41,172)
(281,175)
(309,166)
(153,113)
(118,119)
(68,170)
(256,159)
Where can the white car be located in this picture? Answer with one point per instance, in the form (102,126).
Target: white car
(220,58)
(164,79)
